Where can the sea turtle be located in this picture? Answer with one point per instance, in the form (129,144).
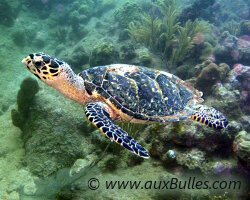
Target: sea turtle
(121,92)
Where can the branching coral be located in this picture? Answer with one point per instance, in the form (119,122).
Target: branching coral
(233,28)
(168,9)
(166,35)
(147,31)
(185,36)
(185,44)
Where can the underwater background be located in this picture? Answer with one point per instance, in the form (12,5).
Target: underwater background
(48,150)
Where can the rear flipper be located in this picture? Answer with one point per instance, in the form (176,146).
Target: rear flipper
(210,117)
(98,116)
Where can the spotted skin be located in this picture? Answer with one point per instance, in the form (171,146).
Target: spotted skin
(97,115)
(210,117)
(43,66)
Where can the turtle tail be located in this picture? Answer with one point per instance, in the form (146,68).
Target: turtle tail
(210,117)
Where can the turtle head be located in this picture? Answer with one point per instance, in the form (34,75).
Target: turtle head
(57,74)
(43,66)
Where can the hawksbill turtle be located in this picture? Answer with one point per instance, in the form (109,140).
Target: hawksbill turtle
(121,92)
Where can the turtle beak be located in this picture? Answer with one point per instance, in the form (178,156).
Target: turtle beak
(24,61)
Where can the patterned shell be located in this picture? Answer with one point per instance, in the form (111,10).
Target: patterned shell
(143,93)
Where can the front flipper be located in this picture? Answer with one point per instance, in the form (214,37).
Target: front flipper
(98,116)
(210,116)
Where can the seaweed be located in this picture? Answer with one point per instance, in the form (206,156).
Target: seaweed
(232,27)
(166,35)
(185,44)
(169,10)
(185,40)
(147,31)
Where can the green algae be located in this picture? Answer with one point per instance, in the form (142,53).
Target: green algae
(103,53)
(127,13)
(146,32)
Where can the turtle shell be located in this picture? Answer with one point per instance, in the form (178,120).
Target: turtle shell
(142,93)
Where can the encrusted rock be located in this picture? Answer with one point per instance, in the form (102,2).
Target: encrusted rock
(78,57)
(79,165)
(232,49)
(192,159)
(242,146)
(127,13)
(103,54)
(25,97)
(53,133)
(208,77)
(245,121)
(245,27)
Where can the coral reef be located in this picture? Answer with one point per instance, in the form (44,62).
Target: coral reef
(109,163)
(124,35)
(53,151)
(127,13)
(199,9)
(46,123)
(104,53)
(245,27)
(233,50)
(206,49)
(192,159)
(228,99)
(209,75)
(232,92)
(242,146)
(107,5)
(186,40)
(61,34)
(166,35)
(77,57)
(232,27)
(169,157)
(245,121)
(144,57)
(238,80)
(146,32)
(25,98)
(184,136)
(127,52)
(224,168)
(196,159)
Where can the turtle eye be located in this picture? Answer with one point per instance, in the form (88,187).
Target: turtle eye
(31,56)
(38,63)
